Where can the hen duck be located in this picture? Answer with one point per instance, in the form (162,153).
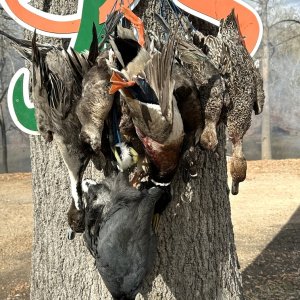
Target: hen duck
(245,88)
(241,89)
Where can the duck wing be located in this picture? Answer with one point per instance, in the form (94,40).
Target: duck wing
(158,73)
(59,99)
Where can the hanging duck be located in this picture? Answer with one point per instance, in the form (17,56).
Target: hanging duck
(240,81)
(146,83)
(245,88)
(119,234)
(243,83)
(52,81)
(94,106)
(56,90)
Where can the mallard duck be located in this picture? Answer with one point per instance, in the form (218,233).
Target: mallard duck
(212,92)
(119,234)
(204,72)
(146,83)
(246,93)
(191,73)
(242,90)
(203,67)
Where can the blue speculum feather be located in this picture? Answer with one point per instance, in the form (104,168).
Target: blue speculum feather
(143,92)
(115,125)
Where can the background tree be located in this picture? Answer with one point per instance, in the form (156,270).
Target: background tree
(278,54)
(4,57)
(196,256)
(9,61)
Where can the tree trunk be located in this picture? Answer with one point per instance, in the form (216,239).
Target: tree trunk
(196,257)
(266,149)
(3,134)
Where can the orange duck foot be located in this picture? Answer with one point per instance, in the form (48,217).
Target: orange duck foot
(118,83)
(136,22)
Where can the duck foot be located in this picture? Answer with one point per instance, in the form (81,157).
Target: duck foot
(136,22)
(70,234)
(76,219)
(234,188)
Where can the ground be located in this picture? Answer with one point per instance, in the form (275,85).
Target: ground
(266,219)
(265,214)
(16,224)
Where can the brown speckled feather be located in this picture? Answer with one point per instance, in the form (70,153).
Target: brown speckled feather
(245,91)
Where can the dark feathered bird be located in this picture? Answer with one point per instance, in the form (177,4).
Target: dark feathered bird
(119,233)
(191,110)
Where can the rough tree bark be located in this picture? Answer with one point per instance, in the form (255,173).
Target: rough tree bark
(196,256)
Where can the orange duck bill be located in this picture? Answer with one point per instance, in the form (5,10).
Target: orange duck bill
(118,83)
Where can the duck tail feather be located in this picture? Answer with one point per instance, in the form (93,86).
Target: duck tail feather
(22,46)
(80,64)
(94,50)
(39,67)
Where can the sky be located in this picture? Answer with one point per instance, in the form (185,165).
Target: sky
(294,3)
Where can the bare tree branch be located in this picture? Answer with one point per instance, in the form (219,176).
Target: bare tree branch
(287,40)
(283,21)
(255,1)
(3,94)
